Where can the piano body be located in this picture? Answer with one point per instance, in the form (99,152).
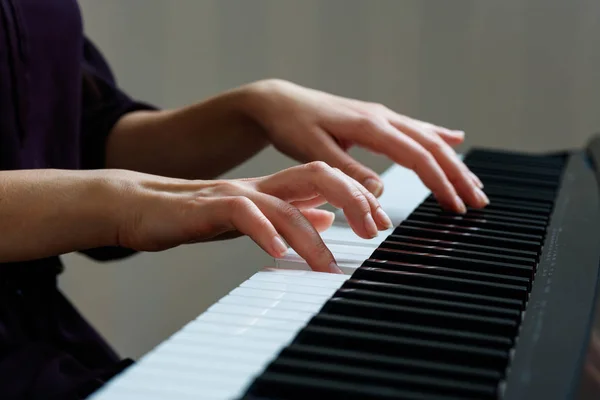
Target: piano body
(500,303)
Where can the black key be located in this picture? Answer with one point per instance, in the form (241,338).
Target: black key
(530,196)
(409,347)
(391,379)
(368,360)
(420,316)
(526,219)
(434,304)
(465,246)
(509,205)
(421,262)
(467,237)
(520,181)
(471,221)
(280,386)
(413,290)
(483,231)
(471,254)
(514,292)
(550,175)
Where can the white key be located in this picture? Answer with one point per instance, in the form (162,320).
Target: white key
(280,295)
(270,303)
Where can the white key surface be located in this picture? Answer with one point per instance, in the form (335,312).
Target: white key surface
(218,355)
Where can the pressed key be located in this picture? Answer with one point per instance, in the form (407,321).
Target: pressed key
(467,355)
(467,237)
(442,282)
(420,315)
(472,221)
(445,305)
(368,360)
(278,386)
(450,251)
(390,379)
(398,329)
(429,260)
(483,231)
(412,290)
(502,251)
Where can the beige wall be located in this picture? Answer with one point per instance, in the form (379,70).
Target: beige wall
(522,74)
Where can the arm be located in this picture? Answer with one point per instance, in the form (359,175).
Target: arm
(201,141)
(206,139)
(50,212)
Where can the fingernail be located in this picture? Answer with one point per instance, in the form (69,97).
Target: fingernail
(460,205)
(383,218)
(477,180)
(278,245)
(459,133)
(370,226)
(482,197)
(373,186)
(333,268)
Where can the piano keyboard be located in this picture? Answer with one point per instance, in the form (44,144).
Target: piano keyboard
(444,306)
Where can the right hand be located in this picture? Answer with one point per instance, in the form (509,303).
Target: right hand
(162,213)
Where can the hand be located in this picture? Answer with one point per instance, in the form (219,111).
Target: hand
(159,213)
(310,125)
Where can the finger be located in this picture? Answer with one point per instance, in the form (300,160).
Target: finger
(240,213)
(380,136)
(456,171)
(320,219)
(319,178)
(312,203)
(476,180)
(451,137)
(329,151)
(297,231)
(381,218)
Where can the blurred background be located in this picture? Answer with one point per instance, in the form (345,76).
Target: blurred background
(515,74)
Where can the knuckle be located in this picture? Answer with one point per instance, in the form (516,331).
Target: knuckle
(239,205)
(436,144)
(318,167)
(378,107)
(359,200)
(421,158)
(351,168)
(230,188)
(367,122)
(320,248)
(291,213)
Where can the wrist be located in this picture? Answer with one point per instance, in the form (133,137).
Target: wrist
(257,100)
(102,206)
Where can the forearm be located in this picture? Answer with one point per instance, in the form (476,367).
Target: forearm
(50,212)
(201,141)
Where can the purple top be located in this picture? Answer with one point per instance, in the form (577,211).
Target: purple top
(58,102)
(58,97)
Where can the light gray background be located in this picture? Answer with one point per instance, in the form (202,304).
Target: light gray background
(521,74)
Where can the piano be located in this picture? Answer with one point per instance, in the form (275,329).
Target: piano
(500,303)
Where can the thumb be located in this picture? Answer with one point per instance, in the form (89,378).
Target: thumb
(320,219)
(329,151)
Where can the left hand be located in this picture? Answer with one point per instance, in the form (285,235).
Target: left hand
(310,125)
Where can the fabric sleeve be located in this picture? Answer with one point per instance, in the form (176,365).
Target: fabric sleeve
(102,105)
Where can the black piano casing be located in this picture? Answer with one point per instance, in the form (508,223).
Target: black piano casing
(559,341)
